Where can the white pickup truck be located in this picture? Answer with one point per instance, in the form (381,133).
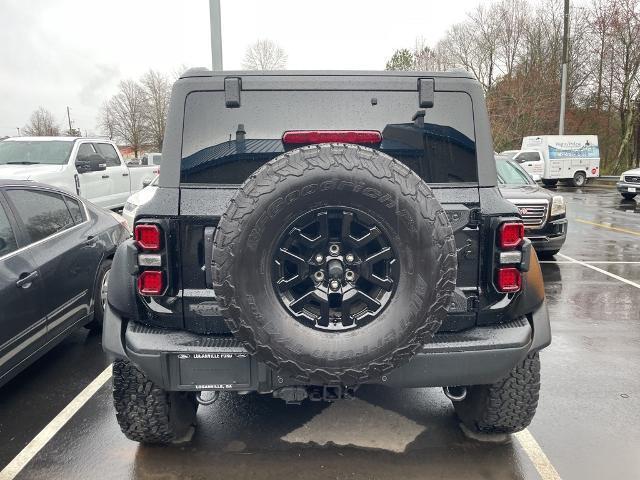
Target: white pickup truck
(90,167)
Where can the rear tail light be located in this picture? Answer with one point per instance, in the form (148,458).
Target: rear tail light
(510,241)
(510,235)
(307,137)
(151,282)
(152,279)
(148,236)
(508,279)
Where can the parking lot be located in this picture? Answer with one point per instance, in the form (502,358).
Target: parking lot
(586,425)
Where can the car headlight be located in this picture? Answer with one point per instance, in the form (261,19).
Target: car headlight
(557,206)
(622,177)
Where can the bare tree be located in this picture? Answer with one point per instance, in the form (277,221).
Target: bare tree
(128,109)
(41,123)
(626,31)
(265,55)
(106,122)
(157,91)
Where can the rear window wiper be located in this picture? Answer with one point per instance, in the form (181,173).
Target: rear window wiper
(25,162)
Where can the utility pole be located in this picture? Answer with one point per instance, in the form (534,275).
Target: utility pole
(565,61)
(69,118)
(216,34)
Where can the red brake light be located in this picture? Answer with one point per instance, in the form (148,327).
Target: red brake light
(508,279)
(148,236)
(510,235)
(151,282)
(307,137)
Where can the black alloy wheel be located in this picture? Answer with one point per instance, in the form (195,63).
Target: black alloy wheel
(334,269)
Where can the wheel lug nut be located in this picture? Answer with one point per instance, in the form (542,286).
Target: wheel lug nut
(319,275)
(319,258)
(334,249)
(349,275)
(334,285)
(349,257)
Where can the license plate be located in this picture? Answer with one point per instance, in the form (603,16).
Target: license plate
(632,189)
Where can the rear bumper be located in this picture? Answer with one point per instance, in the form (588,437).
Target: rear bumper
(178,360)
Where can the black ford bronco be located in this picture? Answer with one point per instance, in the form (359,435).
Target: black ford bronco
(313,232)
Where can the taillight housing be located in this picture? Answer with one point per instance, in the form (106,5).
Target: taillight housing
(148,236)
(309,137)
(510,235)
(152,276)
(508,279)
(151,282)
(510,257)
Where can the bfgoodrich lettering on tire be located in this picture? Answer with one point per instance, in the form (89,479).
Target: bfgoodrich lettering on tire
(334,263)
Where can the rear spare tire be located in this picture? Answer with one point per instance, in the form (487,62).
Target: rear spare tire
(334,263)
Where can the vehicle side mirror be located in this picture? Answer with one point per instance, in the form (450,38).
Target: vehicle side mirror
(90,163)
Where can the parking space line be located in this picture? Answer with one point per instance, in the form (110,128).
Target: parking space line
(39,441)
(612,275)
(609,227)
(537,456)
(591,262)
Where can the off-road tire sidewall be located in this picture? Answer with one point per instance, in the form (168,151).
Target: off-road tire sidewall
(507,406)
(147,413)
(356,178)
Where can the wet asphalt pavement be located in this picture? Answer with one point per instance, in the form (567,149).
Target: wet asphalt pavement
(587,424)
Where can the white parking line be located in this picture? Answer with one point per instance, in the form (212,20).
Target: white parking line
(591,262)
(536,455)
(39,441)
(612,275)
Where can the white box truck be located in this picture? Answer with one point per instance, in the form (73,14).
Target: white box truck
(573,158)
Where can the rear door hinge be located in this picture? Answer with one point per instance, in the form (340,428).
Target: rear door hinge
(475,217)
(232,88)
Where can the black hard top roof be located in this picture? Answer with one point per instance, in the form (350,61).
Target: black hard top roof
(205,72)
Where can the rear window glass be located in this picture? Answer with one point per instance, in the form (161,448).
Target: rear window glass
(225,145)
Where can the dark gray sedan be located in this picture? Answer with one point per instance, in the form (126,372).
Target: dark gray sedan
(55,256)
(543,214)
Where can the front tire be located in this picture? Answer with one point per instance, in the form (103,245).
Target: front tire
(629,196)
(507,406)
(549,183)
(147,413)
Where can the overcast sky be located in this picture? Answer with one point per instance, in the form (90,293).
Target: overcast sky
(55,53)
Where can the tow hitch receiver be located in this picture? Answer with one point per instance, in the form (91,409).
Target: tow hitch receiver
(317,393)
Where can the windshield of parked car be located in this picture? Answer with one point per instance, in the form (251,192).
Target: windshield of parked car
(509,173)
(54,152)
